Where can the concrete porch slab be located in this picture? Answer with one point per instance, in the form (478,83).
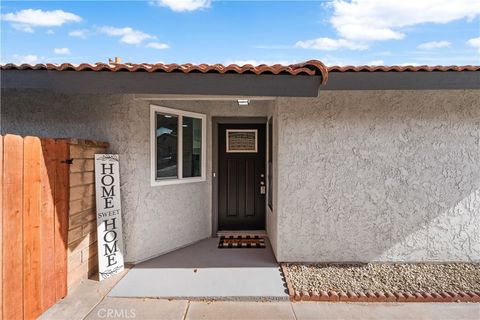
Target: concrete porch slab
(202,271)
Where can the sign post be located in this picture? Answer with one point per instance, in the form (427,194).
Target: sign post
(109,215)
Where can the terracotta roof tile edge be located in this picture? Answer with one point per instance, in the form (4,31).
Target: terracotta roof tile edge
(402,68)
(311,68)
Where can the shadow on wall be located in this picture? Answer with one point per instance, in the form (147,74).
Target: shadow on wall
(380,177)
(51,114)
(82,235)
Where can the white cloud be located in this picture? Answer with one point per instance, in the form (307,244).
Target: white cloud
(328,44)
(368,33)
(333,59)
(183,5)
(26,20)
(374,20)
(376,63)
(80,33)
(50,31)
(434,45)
(61,51)
(29,58)
(474,42)
(22,27)
(127,35)
(157,45)
(449,60)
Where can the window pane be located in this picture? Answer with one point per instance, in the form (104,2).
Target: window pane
(167,137)
(192,146)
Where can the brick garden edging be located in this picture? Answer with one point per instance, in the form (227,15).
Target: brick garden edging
(377,296)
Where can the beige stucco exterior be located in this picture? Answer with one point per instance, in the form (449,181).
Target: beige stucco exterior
(379,176)
(358,175)
(156,219)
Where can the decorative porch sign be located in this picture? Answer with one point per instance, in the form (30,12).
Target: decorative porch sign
(109,215)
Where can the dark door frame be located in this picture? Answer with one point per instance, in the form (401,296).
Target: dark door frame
(215,122)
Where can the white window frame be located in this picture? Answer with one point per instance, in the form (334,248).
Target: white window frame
(154,109)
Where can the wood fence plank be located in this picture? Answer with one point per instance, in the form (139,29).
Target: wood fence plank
(12,228)
(61,218)
(1,227)
(31,228)
(47,225)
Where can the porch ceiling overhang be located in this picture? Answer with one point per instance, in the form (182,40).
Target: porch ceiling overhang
(210,81)
(296,80)
(163,83)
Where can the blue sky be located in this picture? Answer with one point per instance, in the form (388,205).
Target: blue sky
(201,31)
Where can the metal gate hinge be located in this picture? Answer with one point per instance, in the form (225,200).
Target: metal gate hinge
(68,161)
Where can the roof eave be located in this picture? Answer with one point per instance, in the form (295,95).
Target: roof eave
(179,83)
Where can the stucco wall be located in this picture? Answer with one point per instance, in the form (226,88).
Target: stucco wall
(360,176)
(379,176)
(156,219)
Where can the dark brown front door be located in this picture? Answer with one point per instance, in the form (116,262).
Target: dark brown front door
(241,177)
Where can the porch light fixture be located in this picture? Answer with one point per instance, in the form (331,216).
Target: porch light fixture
(243,102)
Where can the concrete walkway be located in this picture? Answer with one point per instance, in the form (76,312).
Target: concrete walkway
(82,299)
(88,301)
(135,308)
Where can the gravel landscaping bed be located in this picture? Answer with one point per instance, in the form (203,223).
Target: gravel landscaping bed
(421,277)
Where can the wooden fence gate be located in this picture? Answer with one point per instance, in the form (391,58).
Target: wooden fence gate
(34,193)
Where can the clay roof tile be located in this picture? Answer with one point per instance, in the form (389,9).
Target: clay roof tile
(309,68)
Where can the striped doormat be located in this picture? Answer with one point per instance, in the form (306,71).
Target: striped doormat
(241,242)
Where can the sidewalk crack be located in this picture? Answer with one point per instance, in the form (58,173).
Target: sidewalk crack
(186,310)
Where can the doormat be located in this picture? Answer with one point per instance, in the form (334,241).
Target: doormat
(241,242)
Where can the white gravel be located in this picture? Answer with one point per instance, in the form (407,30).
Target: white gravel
(420,277)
